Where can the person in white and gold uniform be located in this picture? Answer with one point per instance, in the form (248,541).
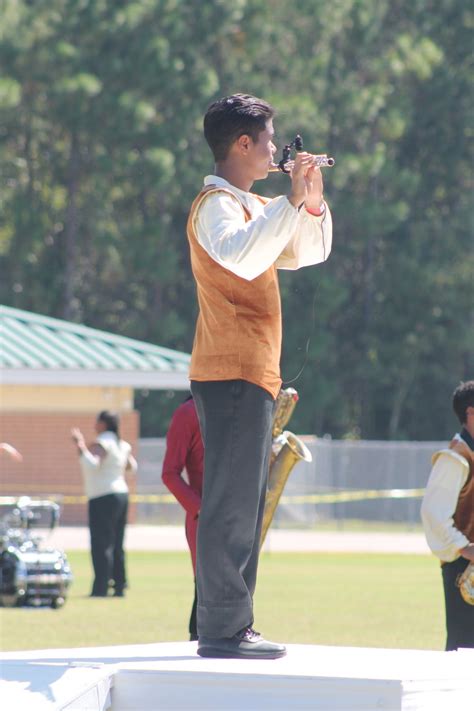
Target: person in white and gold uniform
(447,513)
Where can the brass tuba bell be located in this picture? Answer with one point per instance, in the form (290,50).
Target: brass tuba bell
(466,584)
(287,450)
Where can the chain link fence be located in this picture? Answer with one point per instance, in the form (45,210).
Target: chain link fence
(360,480)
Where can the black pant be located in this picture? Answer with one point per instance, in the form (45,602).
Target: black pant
(235,417)
(193,617)
(459,614)
(107,519)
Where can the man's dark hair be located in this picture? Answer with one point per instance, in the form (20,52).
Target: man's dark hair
(463,397)
(111,421)
(231,117)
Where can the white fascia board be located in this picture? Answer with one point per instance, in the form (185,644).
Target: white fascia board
(150,380)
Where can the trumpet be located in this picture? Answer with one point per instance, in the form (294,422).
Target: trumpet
(319,161)
(286,164)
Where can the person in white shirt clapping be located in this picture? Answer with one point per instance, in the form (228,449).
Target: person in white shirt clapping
(103,466)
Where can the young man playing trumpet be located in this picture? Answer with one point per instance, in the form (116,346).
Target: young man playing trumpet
(238,240)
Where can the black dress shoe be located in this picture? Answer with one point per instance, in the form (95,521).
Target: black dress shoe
(246,644)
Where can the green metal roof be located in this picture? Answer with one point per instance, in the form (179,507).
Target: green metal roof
(36,349)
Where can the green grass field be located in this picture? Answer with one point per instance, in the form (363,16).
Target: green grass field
(329,599)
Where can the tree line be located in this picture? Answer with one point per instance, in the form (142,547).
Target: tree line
(102,152)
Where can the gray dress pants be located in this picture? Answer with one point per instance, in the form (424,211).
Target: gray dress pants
(235,418)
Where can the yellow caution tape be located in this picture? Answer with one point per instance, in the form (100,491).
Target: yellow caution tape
(133,498)
(329,498)
(344,496)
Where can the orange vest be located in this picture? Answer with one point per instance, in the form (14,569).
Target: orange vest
(238,330)
(464,514)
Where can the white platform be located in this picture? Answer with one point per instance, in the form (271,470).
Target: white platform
(169,676)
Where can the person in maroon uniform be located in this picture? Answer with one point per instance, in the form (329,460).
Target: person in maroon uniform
(185,451)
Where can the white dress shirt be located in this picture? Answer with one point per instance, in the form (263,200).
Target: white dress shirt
(277,232)
(448,476)
(107,475)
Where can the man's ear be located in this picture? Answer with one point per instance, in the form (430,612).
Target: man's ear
(243,143)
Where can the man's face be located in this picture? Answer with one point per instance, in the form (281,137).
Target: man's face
(262,151)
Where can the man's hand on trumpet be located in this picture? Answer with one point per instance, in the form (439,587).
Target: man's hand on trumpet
(306,183)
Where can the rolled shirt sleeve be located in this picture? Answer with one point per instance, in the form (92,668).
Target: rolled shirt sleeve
(89,462)
(311,243)
(277,232)
(447,478)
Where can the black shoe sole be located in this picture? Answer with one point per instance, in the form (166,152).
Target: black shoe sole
(214,653)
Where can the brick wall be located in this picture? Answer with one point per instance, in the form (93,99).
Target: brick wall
(50,464)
